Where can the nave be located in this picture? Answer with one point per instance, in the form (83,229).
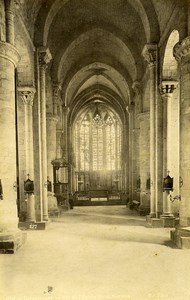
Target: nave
(97,253)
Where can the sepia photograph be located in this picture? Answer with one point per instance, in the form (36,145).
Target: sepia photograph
(94,149)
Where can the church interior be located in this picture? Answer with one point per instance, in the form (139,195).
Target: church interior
(94,122)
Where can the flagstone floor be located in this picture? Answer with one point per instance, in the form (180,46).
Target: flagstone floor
(96,253)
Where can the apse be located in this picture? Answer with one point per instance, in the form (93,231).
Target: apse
(97,148)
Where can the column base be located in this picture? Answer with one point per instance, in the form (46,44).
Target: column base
(11,241)
(162,222)
(181,237)
(168,220)
(153,222)
(32,225)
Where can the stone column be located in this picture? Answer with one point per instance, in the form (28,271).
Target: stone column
(2,22)
(56,90)
(166,90)
(144,159)
(59,136)
(130,110)
(9,19)
(51,143)
(150,55)
(26,94)
(136,132)
(182,54)
(9,58)
(65,132)
(44,59)
(125,159)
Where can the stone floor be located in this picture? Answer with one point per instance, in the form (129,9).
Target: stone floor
(96,253)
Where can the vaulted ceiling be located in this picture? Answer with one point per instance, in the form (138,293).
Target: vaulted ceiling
(96,45)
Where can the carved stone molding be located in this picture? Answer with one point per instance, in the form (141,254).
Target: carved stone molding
(182,49)
(9,52)
(150,54)
(44,56)
(26,94)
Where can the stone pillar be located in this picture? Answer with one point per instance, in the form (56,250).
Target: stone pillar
(59,136)
(188,18)
(9,58)
(166,90)
(124,161)
(9,19)
(51,143)
(56,90)
(2,22)
(182,55)
(26,94)
(71,161)
(65,132)
(144,159)
(136,132)
(130,110)
(44,59)
(150,55)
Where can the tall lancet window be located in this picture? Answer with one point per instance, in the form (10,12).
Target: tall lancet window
(84,142)
(98,141)
(111,140)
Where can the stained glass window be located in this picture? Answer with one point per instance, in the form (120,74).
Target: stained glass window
(98,142)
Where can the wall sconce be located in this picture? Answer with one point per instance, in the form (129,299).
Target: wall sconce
(1,190)
(29,186)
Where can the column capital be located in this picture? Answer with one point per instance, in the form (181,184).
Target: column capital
(149,53)
(26,94)
(182,49)
(167,88)
(44,56)
(9,52)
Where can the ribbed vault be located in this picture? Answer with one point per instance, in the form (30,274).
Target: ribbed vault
(96,50)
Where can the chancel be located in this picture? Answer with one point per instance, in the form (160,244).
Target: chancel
(94,111)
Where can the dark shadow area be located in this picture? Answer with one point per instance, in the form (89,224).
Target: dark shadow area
(170,244)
